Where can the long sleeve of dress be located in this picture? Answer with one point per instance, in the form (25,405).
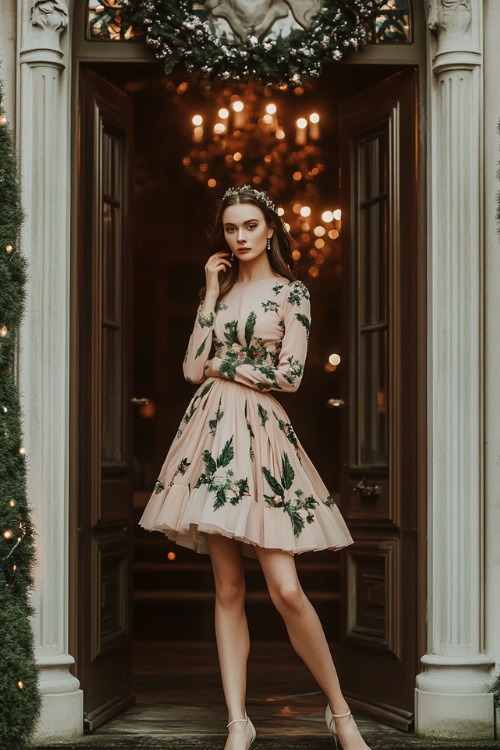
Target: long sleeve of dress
(200,344)
(284,371)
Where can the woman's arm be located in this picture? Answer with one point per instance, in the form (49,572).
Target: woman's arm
(200,341)
(287,375)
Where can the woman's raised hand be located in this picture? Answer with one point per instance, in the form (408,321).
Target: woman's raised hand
(217,263)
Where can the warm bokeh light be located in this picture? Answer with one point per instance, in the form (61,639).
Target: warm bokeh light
(313,272)
(223,113)
(211,182)
(334,359)
(301,123)
(333,234)
(319,231)
(296,254)
(305,211)
(197,120)
(280,211)
(327,216)
(337,214)
(238,106)
(271,109)
(267,119)
(296,208)
(287,226)
(319,243)
(237,156)
(314,117)
(297,176)
(171,555)
(280,134)
(219,128)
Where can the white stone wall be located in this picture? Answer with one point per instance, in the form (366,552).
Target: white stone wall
(8,55)
(492,327)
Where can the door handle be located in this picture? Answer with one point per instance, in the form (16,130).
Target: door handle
(335,403)
(366,490)
(139,401)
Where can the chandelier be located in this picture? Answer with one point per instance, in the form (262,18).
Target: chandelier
(244,138)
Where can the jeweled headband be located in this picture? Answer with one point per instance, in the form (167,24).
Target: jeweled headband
(259,195)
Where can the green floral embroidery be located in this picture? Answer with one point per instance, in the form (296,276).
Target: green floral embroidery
(206,321)
(194,403)
(186,356)
(297,293)
(262,414)
(251,433)
(299,507)
(270,306)
(212,423)
(305,322)
(181,469)
(220,306)
(220,479)
(296,370)
(158,487)
(277,289)
(289,433)
(237,354)
(330,502)
(201,348)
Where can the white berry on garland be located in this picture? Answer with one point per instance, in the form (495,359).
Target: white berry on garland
(179,35)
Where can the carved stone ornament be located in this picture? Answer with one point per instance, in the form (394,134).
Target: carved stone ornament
(261,18)
(451,16)
(49,14)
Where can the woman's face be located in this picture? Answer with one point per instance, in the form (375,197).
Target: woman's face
(246,231)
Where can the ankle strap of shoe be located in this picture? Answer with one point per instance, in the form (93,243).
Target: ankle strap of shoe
(341,716)
(235,721)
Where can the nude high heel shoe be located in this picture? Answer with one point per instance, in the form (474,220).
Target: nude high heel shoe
(252,728)
(330,723)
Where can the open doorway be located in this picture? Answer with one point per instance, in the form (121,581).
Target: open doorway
(170,207)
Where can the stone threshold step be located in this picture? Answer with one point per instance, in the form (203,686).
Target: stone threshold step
(406,742)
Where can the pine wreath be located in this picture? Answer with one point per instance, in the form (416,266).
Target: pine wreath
(178,33)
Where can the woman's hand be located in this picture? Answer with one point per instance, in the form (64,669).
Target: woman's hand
(216,264)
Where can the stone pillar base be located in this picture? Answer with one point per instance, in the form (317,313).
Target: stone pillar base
(452,699)
(452,716)
(61,716)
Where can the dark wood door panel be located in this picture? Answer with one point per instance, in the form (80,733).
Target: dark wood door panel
(104,601)
(379,652)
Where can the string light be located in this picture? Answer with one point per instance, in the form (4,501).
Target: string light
(4,331)
(8,249)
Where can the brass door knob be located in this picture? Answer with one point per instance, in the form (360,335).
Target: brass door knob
(336,403)
(139,401)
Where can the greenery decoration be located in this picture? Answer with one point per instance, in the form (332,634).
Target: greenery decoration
(19,696)
(180,33)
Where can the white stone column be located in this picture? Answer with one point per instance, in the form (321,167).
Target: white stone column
(43,118)
(451,696)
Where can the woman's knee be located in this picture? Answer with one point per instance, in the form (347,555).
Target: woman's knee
(230,591)
(288,597)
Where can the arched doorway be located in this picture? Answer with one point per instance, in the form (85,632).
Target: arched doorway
(376,607)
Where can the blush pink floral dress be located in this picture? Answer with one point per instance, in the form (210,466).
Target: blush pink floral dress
(236,466)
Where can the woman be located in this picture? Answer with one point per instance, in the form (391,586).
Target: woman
(236,479)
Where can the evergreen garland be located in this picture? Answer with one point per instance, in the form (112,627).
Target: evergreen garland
(179,34)
(19,696)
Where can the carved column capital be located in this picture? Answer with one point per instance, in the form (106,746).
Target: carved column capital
(456,28)
(450,17)
(49,14)
(44,25)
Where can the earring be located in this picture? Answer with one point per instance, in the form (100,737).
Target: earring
(268,244)
(232,256)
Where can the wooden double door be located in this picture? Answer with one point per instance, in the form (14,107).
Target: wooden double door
(378,403)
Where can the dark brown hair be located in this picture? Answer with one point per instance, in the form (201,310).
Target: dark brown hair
(282,244)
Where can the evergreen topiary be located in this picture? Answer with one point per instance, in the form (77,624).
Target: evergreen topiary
(19,696)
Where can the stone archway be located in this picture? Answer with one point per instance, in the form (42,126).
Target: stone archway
(454,665)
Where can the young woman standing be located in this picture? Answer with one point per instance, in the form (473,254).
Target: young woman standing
(236,479)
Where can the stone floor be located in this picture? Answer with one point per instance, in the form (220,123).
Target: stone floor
(180,705)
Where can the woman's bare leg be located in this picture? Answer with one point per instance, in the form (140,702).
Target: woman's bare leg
(231,629)
(307,636)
